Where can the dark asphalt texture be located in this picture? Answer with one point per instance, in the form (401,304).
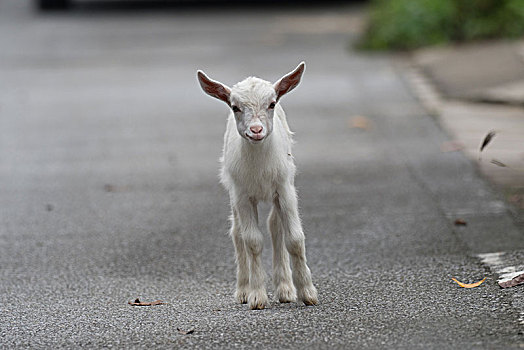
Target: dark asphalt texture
(109,189)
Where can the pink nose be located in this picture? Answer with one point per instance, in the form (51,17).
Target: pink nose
(257,129)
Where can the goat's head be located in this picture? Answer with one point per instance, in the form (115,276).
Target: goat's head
(253,101)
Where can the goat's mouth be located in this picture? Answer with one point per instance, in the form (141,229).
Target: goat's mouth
(255,138)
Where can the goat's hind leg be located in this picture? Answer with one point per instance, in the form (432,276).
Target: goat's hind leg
(242,289)
(284,289)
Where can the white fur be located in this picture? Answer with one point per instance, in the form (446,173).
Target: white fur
(255,171)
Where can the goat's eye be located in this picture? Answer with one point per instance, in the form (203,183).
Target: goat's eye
(235,109)
(271,105)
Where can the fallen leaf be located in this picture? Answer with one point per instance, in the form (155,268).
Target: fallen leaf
(191,331)
(451,146)
(469,285)
(517,199)
(515,281)
(360,122)
(112,188)
(137,302)
(487,140)
(498,163)
(460,222)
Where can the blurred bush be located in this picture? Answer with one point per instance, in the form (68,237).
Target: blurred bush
(406,24)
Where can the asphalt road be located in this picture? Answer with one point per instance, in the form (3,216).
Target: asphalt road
(109,189)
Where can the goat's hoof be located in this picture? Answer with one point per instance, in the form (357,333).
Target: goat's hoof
(309,296)
(257,300)
(241,296)
(286,293)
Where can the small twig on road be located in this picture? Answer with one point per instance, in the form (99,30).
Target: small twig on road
(486,141)
(137,302)
(191,331)
(498,163)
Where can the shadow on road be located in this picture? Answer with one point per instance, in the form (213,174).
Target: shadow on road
(94,7)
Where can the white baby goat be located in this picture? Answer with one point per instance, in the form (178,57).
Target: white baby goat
(257,166)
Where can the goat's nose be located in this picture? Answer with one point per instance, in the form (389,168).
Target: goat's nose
(257,129)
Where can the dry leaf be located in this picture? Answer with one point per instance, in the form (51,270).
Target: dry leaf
(451,146)
(517,199)
(469,285)
(360,122)
(515,281)
(487,140)
(498,163)
(137,302)
(460,222)
(191,331)
(112,188)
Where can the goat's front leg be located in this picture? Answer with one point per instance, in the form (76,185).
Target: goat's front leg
(242,289)
(253,243)
(285,290)
(286,204)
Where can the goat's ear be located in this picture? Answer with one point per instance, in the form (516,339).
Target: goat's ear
(214,88)
(289,81)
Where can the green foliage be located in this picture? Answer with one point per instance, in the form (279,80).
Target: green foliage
(406,24)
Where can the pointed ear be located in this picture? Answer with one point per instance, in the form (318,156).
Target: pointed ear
(289,81)
(214,88)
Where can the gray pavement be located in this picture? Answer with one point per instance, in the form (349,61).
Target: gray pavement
(473,89)
(489,71)
(109,190)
